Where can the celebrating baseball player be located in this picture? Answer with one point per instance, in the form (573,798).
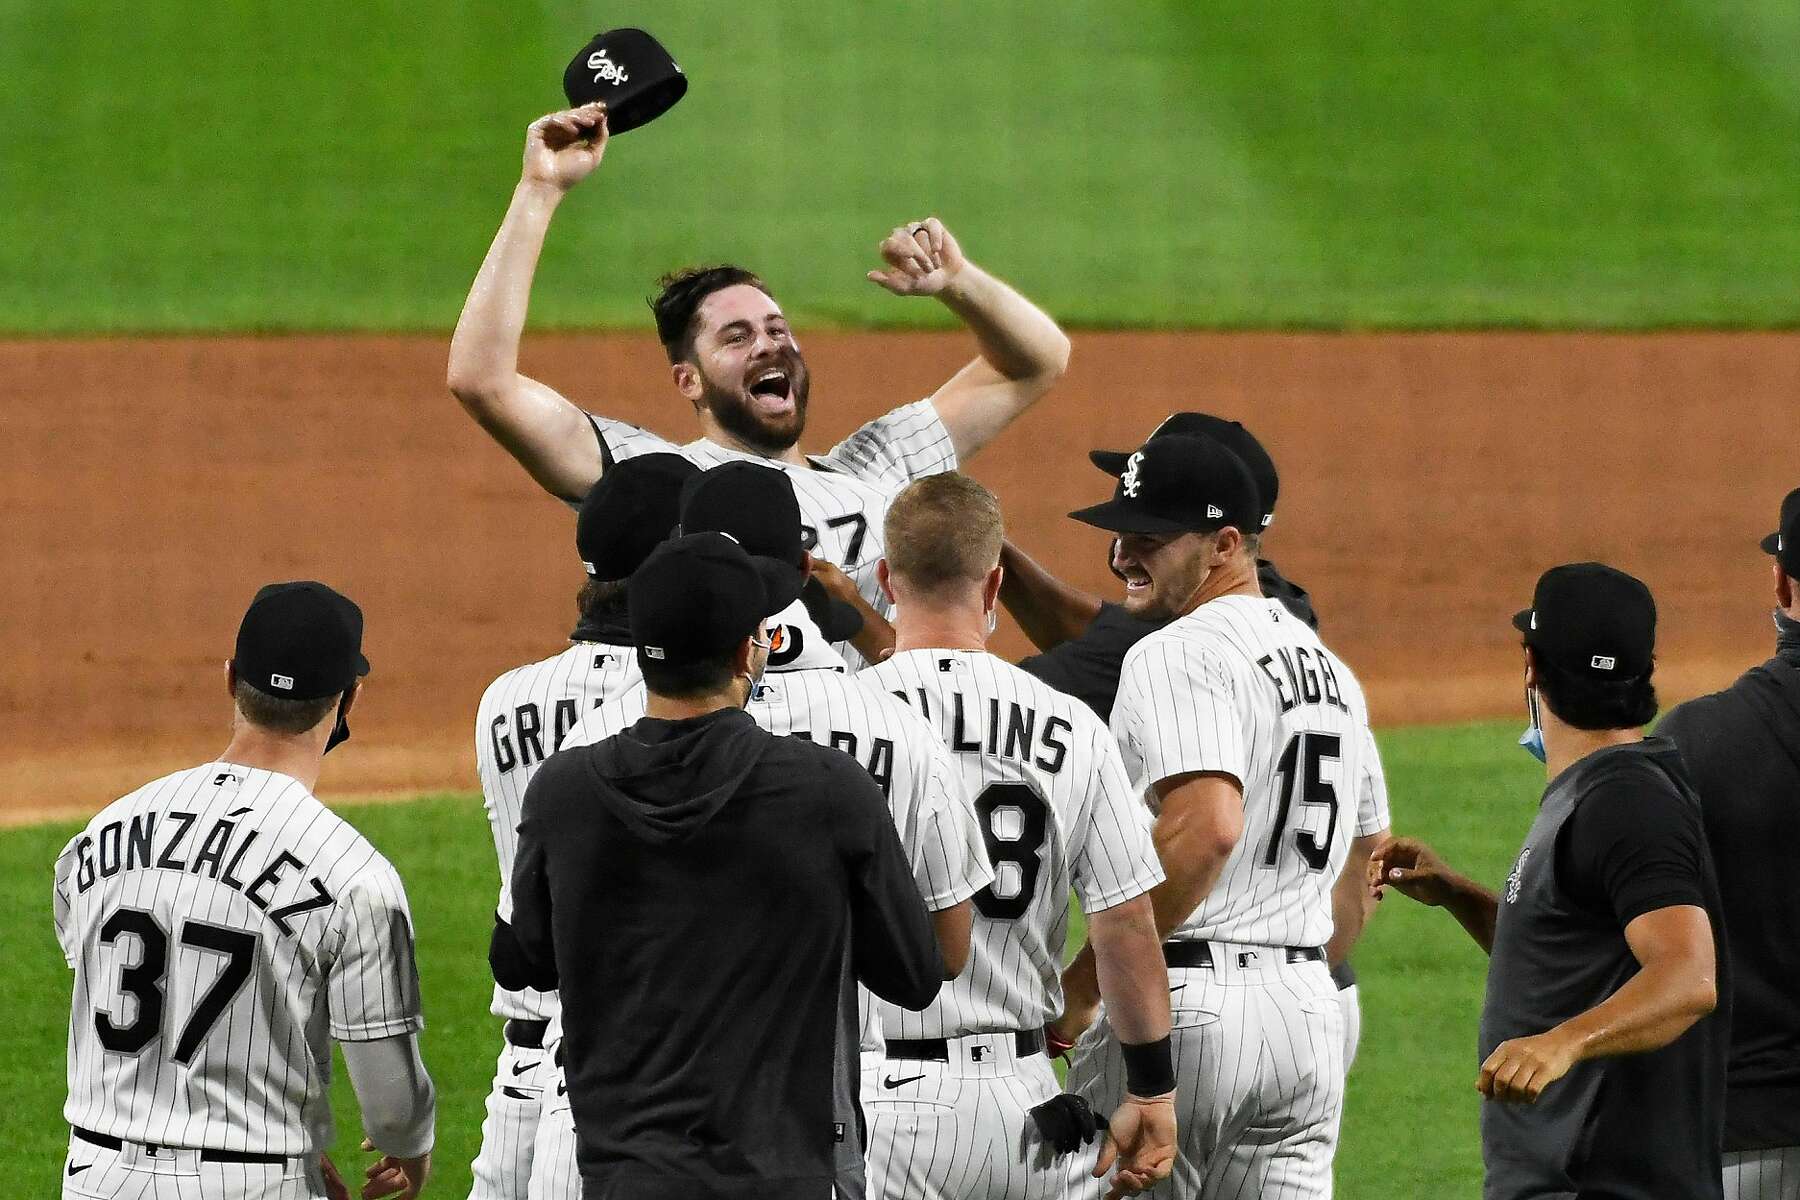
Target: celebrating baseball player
(224,927)
(938,829)
(523,716)
(734,358)
(1247,735)
(948,1107)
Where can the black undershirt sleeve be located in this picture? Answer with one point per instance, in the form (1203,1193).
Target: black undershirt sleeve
(1633,845)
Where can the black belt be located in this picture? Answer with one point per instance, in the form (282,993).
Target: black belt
(1200,954)
(108,1142)
(1026,1042)
(526,1035)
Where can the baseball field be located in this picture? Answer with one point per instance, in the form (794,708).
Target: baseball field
(1498,286)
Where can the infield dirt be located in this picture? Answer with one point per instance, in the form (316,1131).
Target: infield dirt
(150,486)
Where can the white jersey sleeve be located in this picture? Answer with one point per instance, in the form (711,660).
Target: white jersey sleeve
(1178,712)
(373,981)
(1115,854)
(898,447)
(949,858)
(620,440)
(1372,815)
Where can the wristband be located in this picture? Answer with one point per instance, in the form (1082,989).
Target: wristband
(1149,1068)
(1054,1043)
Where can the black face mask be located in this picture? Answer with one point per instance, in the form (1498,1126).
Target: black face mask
(340,732)
(1787,635)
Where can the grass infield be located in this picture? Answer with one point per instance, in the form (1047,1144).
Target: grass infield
(1410,1125)
(341,164)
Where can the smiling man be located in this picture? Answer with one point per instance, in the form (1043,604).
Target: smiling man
(734,358)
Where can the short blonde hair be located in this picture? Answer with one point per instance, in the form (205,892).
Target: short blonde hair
(943,530)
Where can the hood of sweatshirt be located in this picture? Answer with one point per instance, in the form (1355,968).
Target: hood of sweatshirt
(666,779)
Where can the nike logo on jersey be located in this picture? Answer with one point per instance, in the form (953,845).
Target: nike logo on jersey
(513,1093)
(561,1089)
(75,1170)
(521,1068)
(891,1084)
(1176,987)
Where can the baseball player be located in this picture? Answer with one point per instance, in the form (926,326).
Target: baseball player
(948,1105)
(1247,735)
(734,358)
(224,928)
(937,826)
(523,716)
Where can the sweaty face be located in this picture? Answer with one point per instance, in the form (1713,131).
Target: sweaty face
(1162,572)
(752,376)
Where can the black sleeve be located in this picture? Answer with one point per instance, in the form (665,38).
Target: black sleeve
(893,945)
(528,954)
(1087,666)
(1633,845)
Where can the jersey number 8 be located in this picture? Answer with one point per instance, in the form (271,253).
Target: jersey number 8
(143,981)
(1014,823)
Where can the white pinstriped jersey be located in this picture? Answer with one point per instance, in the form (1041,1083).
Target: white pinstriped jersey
(224,926)
(1239,686)
(1057,811)
(522,719)
(937,826)
(844,495)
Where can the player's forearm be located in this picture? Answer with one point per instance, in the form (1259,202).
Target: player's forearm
(1351,902)
(1133,978)
(1653,1008)
(1194,847)
(396,1096)
(875,640)
(1016,337)
(484,352)
(1475,909)
(1047,609)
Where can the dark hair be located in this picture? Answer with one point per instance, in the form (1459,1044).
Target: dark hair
(681,681)
(1586,704)
(601,598)
(680,298)
(280,714)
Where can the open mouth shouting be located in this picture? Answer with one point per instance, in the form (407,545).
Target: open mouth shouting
(772,392)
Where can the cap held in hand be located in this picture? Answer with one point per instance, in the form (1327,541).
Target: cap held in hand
(628,71)
(700,595)
(1593,621)
(1176,484)
(300,641)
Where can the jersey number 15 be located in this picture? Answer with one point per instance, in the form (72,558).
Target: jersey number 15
(1299,770)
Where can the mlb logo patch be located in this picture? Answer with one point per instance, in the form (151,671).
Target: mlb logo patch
(1604,662)
(284,682)
(946,665)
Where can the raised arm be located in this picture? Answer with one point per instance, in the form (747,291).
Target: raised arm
(549,436)
(1047,609)
(1022,351)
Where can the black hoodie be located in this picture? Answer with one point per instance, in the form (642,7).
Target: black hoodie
(693,888)
(1742,750)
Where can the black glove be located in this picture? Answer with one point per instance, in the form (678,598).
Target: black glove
(1066,1122)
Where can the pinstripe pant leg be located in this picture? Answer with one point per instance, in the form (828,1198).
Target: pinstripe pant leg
(99,1173)
(502,1168)
(1350,1002)
(554,1174)
(1763,1174)
(920,1145)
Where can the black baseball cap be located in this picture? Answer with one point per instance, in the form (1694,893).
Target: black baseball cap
(630,512)
(1784,543)
(300,641)
(1177,483)
(1591,620)
(631,72)
(699,595)
(757,507)
(1230,434)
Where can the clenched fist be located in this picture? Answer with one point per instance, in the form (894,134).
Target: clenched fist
(563,148)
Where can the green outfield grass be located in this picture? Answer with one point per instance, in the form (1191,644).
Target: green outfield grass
(341,164)
(1410,1128)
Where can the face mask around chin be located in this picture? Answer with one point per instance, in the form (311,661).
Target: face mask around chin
(1533,737)
(340,733)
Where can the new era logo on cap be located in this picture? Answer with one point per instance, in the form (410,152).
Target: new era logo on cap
(1214,512)
(1603,662)
(284,682)
(655,652)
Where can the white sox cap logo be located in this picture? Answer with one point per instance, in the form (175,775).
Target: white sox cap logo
(1130,480)
(605,69)
(284,682)
(1604,662)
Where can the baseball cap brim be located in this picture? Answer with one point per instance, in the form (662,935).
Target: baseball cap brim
(1120,517)
(1111,461)
(1771,544)
(1522,620)
(782,582)
(837,621)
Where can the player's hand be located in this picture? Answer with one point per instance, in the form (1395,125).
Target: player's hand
(836,583)
(1517,1072)
(1413,868)
(563,148)
(922,259)
(335,1187)
(391,1175)
(1140,1139)
(1066,1030)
